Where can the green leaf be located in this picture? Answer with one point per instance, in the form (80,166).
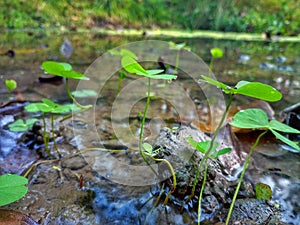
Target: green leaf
(49,102)
(148,148)
(38,107)
(10,85)
(63,70)
(67,66)
(162,76)
(12,188)
(126,52)
(258,90)
(215,83)
(54,68)
(263,191)
(250,118)
(223,151)
(179,46)
(20,126)
(202,146)
(276,125)
(285,140)
(216,53)
(154,72)
(84,93)
(123,52)
(241,83)
(73,74)
(132,66)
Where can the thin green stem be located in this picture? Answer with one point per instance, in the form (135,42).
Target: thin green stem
(173,175)
(54,136)
(177,60)
(73,99)
(8,95)
(143,124)
(45,135)
(242,175)
(208,152)
(201,192)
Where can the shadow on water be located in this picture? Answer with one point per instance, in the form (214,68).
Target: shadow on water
(276,64)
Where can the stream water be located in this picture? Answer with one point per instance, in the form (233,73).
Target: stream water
(277,64)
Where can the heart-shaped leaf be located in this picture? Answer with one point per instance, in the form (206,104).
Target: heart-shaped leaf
(20,126)
(12,188)
(216,53)
(250,118)
(259,90)
(132,66)
(10,85)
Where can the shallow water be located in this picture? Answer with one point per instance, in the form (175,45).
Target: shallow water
(278,168)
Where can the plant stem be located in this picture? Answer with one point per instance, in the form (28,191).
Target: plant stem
(208,152)
(8,95)
(177,60)
(142,126)
(73,99)
(54,137)
(201,192)
(242,175)
(45,136)
(173,175)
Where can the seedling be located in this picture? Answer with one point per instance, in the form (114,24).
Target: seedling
(216,53)
(178,48)
(10,85)
(130,65)
(252,89)
(133,67)
(12,188)
(65,70)
(122,73)
(48,106)
(258,119)
(148,150)
(21,125)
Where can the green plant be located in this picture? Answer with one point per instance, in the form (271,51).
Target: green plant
(258,119)
(178,47)
(216,53)
(21,125)
(10,85)
(65,70)
(130,65)
(251,89)
(48,106)
(122,74)
(148,150)
(12,188)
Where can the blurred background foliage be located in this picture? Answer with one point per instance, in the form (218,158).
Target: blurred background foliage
(255,16)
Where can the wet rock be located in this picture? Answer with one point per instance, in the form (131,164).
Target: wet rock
(253,211)
(219,189)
